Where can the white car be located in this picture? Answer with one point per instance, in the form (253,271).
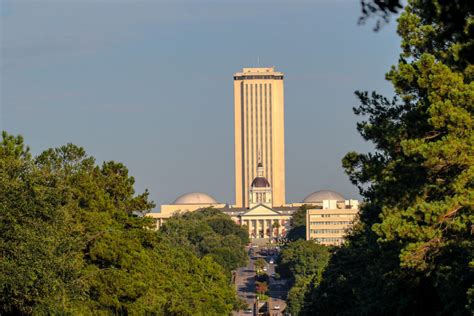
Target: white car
(265,269)
(248,311)
(277,307)
(271,261)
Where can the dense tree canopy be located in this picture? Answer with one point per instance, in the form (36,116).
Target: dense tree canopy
(302,263)
(412,253)
(298,224)
(209,232)
(69,243)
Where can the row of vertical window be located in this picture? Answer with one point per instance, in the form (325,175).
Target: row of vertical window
(329,239)
(327,231)
(250,162)
(332,223)
(333,215)
(246,141)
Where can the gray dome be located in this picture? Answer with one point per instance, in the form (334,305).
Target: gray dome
(260,182)
(319,196)
(195,198)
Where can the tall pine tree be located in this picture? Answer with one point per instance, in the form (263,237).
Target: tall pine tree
(412,253)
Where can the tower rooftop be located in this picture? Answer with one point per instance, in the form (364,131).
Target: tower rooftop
(259,71)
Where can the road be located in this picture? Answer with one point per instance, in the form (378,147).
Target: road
(245,286)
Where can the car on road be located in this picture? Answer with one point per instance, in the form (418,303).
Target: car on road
(276,307)
(265,269)
(248,311)
(271,261)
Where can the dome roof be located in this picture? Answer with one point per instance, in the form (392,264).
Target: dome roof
(319,196)
(195,198)
(260,182)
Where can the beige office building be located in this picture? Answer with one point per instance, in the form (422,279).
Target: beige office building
(328,217)
(259,132)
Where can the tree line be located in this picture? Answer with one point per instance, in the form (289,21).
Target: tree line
(412,251)
(70,243)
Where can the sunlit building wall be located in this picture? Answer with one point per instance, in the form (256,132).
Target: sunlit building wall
(259,131)
(328,220)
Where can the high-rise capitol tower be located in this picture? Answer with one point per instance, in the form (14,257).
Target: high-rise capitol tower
(259,132)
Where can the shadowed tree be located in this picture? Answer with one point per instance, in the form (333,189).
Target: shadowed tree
(412,253)
(298,224)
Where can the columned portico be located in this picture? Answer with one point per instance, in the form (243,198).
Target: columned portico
(260,220)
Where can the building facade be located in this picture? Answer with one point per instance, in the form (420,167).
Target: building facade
(188,202)
(328,217)
(259,132)
(261,219)
(260,172)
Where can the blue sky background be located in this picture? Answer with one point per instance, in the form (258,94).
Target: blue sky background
(149,83)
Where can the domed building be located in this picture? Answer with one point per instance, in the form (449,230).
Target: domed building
(260,202)
(328,216)
(188,202)
(323,195)
(328,213)
(195,198)
(260,190)
(263,221)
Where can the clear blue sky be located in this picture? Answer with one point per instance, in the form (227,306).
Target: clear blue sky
(149,83)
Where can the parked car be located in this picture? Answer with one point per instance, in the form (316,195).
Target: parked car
(277,307)
(271,261)
(248,311)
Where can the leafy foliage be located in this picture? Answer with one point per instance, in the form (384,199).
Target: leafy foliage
(209,232)
(298,224)
(259,265)
(302,262)
(69,243)
(382,10)
(413,251)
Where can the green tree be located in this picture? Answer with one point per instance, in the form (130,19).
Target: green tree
(209,232)
(296,295)
(40,258)
(298,224)
(413,251)
(302,258)
(259,265)
(302,262)
(69,243)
